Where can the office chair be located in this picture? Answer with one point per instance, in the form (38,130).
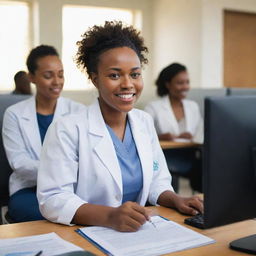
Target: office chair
(6,100)
(186,163)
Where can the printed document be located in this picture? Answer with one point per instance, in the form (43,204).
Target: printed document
(152,239)
(50,244)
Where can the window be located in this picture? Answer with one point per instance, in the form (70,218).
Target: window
(14,40)
(75,21)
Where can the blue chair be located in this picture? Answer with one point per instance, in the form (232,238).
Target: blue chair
(186,163)
(233,91)
(199,94)
(6,100)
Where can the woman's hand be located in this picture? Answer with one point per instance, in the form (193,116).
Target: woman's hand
(188,205)
(185,135)
(166,136)
(128,217)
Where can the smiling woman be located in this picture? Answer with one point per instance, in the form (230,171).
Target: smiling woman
(175,117)
(25,125)
(109,161)
(119,84)
(46,72)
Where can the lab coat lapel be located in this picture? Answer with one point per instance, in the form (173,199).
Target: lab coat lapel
(170,117)
(61,108)
(144,147)
(30,126)
(188,116)
(102,143)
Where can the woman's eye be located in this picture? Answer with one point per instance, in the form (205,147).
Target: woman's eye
(114,76)
(61,75)
(47,76)
(135,75)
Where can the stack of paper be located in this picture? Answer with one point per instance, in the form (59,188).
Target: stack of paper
(44,245)
(162,237)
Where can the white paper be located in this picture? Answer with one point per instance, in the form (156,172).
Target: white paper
(182,140)
(150,240)
(50,244)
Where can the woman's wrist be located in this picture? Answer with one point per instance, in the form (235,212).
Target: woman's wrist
(168,199)
(90,214)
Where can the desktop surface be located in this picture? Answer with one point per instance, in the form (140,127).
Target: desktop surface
(167,144)
(223,235)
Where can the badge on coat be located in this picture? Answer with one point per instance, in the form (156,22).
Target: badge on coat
(155,166)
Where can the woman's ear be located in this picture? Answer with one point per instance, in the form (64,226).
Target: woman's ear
(167,85)
(94,78)
(31,78)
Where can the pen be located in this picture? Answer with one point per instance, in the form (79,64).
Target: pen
(39,253)
(152,223)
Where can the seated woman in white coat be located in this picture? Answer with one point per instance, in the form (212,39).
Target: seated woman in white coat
(100,167)
(24,128)
(175,117)
(178,119)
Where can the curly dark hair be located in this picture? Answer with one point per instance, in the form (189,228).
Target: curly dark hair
(166,75)
(99,39)
(39,52)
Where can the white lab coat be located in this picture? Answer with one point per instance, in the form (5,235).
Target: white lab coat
(166,122)
(79,164)
(22,141)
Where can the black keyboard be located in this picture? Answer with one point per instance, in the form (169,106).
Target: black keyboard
(196,221)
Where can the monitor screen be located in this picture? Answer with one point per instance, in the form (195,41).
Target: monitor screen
(229,160)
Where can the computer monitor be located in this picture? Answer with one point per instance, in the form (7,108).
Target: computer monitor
(229,165)
(229,162)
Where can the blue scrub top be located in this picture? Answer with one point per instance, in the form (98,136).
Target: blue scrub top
(130,164)
(43,123)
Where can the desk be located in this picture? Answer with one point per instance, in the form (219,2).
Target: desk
(165,144)
(223,235)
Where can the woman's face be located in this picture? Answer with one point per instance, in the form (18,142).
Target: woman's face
(48,77)
(118,80)
(179,85)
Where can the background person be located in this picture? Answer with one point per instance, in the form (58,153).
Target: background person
(109,159)
(25,125)
(178,119)
(22,83)
(175,117)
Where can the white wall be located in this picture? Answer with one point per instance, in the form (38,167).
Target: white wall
(212,37)
(177,30)
(187,31)
(191,32)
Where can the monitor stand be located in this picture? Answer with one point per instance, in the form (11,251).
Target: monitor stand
(245,244)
